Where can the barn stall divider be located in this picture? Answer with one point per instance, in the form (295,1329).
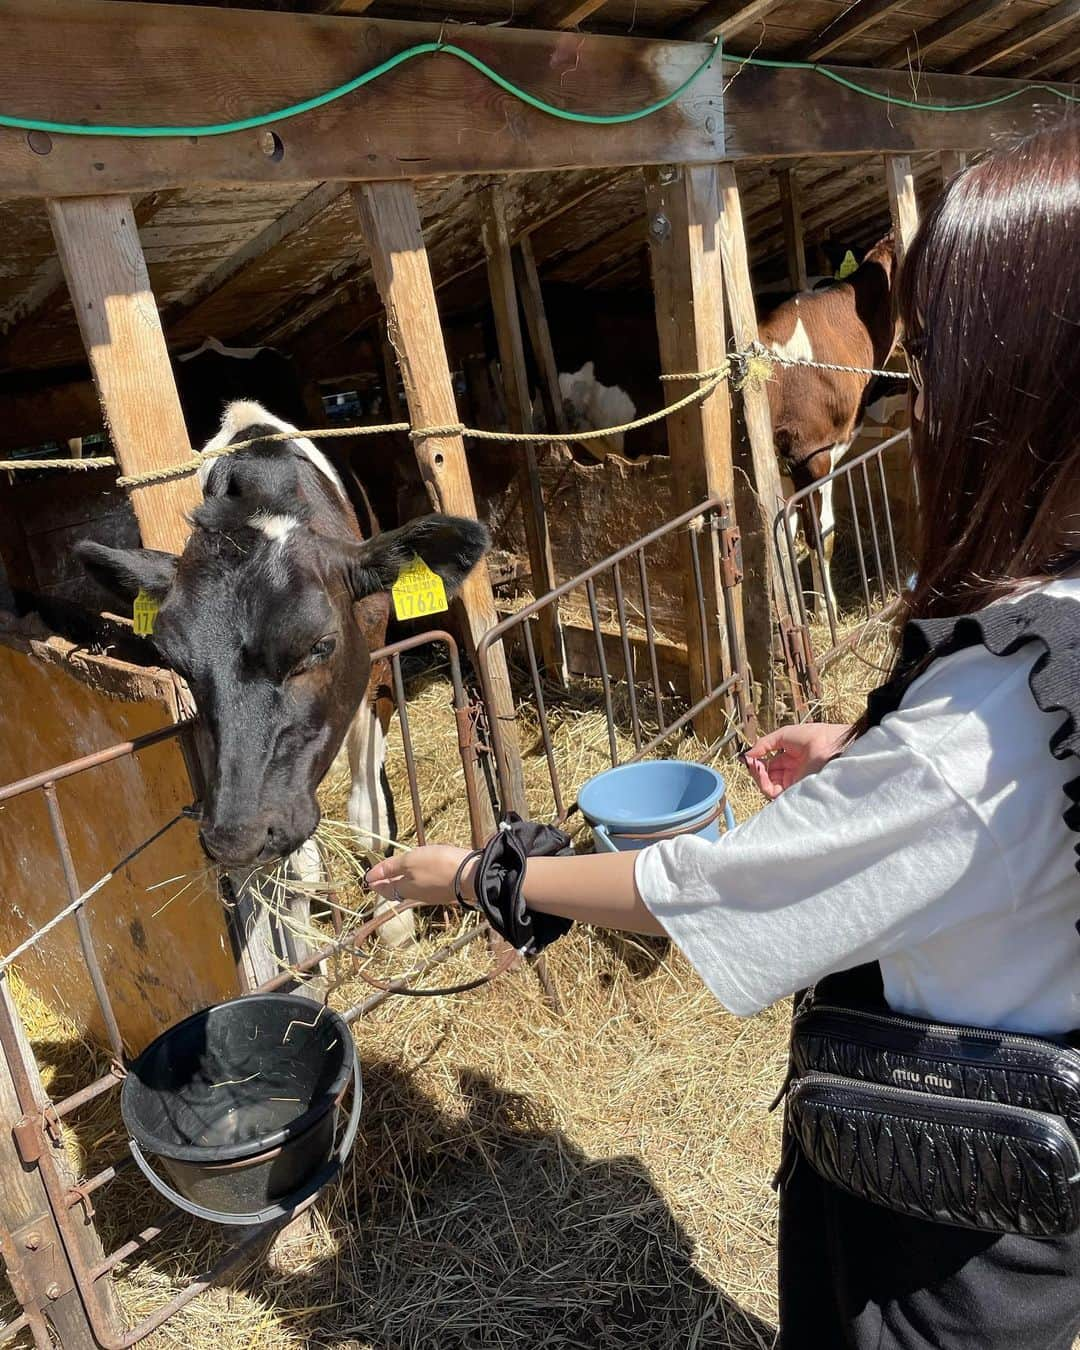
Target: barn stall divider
(875,498)
(54,1256)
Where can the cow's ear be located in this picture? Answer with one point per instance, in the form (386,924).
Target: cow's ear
(124,572)
(450,545)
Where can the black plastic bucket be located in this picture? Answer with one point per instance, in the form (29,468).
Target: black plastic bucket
(239,1102)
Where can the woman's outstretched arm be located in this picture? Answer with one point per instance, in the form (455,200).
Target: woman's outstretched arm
(595,888)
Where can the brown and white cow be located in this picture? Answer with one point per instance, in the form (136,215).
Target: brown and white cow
(816,413)
(270,615)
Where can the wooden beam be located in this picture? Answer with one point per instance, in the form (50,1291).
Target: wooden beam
(1061,55)
(791,216)
(1039,26)
(515,383)
(763,494)
(110,290)
(187,65)
(854,20)
(809,115)
(390,224)
(914,50)
(903,205)
(723,19)
(682,204)
(532,303)
(952,162)
(296,218)
(557,15)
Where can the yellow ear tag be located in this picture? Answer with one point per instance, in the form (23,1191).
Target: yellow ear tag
(848,266)
(418,591)
(145,610)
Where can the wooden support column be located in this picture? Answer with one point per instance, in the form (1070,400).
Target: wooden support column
(390,224)
(791,215)
(758,491)
(515,382)
(683,205)
(390,381)
(532,302)
(952,162)
(903,206)
(98,245)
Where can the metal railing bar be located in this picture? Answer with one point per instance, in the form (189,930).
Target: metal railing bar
(495,633)
(541,709)
(863,579)
(141,1240)
(628,664)
(699,592)
(721,689)
(846,467)
(78,1193)
(818,546)
(882,584)
(856,636)
(407,747)
(82,923)
(112,1078)
(646,609)
(605,679)
(887,507)
(99,757)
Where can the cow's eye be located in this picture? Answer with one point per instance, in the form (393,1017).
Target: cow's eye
(320,652)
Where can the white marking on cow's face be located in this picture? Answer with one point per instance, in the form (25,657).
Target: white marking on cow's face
(798,346)
(276,528)
(245,413)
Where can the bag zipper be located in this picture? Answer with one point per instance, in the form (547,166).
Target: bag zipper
(1044,1119)
(943,1029)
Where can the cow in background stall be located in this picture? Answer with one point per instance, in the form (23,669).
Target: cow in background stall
(270,615)
(816,413)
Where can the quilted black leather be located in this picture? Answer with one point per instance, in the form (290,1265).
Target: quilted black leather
(972,1164)
(923,1056)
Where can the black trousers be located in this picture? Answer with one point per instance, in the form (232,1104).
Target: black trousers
(855,1276)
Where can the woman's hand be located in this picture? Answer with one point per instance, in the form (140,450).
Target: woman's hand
(422,874)
(784,757)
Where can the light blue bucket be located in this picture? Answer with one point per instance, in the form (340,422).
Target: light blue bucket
(637,804)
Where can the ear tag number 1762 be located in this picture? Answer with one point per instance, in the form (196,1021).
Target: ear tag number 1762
(418,591)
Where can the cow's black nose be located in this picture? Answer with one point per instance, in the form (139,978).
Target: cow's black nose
(233,847)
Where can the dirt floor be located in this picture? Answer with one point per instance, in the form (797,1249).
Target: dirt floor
(597,1177)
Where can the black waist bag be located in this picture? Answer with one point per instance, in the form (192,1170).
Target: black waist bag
(951,1124)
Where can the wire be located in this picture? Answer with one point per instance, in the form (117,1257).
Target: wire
(550,109)
(895,99)
(384,68)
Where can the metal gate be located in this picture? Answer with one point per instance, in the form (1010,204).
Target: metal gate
(874,561)
(44,1258)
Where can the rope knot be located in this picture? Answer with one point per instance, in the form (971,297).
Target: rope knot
(753,367)
(436,433)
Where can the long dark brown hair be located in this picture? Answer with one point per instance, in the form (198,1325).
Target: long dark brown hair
(989,303)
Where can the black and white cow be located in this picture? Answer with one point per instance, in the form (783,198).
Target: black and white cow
(270,616)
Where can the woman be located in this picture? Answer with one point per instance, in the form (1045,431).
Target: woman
(932,843)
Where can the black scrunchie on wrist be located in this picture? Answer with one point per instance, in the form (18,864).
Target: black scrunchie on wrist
(500,876)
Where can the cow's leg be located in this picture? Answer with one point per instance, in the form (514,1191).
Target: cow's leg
(371,806)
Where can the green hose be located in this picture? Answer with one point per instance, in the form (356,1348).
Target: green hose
(588,119)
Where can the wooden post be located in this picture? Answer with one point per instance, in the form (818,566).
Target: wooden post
(903,206)
(390,223)
(98,244)
(683,207)
(758,491)
(35,1260)
(791,214)
(515,382)
(390,377)
(952,162)
(532,302)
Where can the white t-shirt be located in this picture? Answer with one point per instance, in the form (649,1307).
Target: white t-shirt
(935,844)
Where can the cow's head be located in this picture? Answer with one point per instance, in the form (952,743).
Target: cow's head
(270,618)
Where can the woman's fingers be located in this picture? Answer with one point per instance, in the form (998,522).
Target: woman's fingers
(766,744)
(759,771)
(386,873)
